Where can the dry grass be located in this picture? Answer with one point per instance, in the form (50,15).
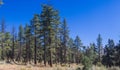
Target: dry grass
(37,67)
(99,68)
(55,67)
(104,68)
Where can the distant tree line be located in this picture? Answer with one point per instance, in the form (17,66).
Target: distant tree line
(46,39)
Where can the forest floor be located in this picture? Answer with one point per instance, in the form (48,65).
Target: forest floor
(6,66)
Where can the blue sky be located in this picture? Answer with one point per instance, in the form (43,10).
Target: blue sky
(85,18)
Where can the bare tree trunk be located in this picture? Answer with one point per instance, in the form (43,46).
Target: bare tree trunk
(44,50)
(29,51)
(50,58)
(2,55)
(35,50)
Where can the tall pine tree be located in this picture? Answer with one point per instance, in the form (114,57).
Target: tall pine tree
(2,26)
(21,41)
(35,24)
(50,19)
(78,45)
(99,47)
(64,40)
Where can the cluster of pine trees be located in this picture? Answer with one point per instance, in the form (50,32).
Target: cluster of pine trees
(46,39)
(112,54)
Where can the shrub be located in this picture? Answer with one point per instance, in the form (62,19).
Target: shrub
(87,63)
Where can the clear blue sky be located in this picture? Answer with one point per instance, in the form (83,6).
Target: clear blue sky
(86,18)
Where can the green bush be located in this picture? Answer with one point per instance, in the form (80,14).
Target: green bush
(87,63)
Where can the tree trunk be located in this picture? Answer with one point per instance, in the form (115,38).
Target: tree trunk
(44,51)
(61,56)
(35,51)
(13,48)
(50,58)
(29,51)
(2,55)
(26,52)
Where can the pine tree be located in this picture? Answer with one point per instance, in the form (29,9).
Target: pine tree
(91,53)
(78,43)
(78,46)
(2,25)
(94,49)
(57,40)
(21,41)
(117,54)
(28,39)
(99,47)
(50,19)
(64,40)
(35,24)
(7,46)
(108,58)
(70,50)
(13,42)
